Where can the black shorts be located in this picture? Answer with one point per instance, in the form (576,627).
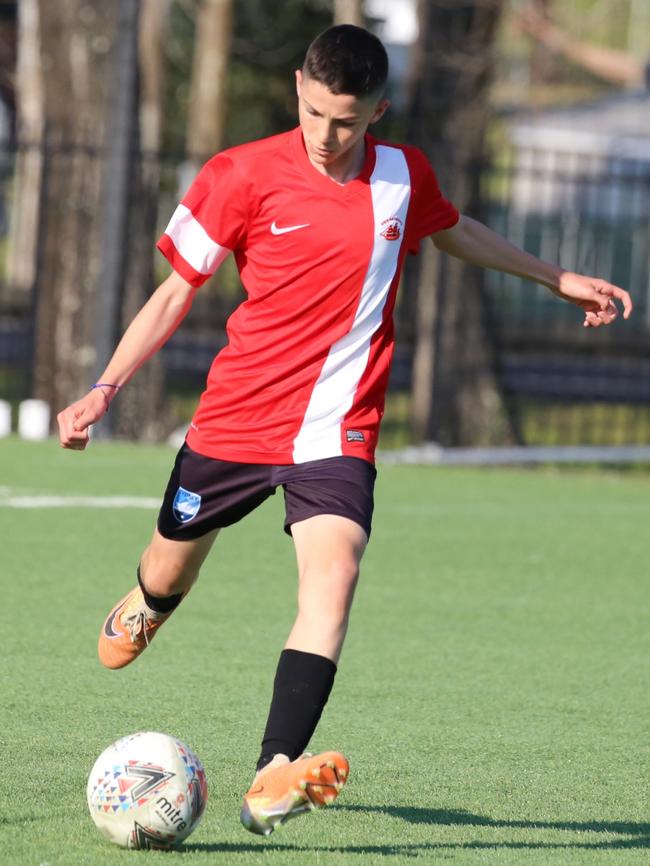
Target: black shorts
(205,494)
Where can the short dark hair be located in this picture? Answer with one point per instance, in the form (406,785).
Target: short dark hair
(347,59)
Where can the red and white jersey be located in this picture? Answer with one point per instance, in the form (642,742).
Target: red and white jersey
(306,367)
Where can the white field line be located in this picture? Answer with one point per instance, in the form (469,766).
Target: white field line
(11,499)
(429,453)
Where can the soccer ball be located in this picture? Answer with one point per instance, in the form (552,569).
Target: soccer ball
(147,790)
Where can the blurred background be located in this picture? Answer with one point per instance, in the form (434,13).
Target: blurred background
(534,113)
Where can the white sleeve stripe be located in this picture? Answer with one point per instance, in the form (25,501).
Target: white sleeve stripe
(193,243)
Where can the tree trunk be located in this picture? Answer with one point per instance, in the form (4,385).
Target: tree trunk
(76,37)
(208,89)
(348,12)
(23,232)
(91,192)
(140,407)
(543,62)
(456,397)
(424,334)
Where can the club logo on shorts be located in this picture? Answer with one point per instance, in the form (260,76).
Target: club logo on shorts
(186,505)
(392,229)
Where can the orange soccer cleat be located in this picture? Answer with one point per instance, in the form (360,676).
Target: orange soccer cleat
(128,630)
(288,790)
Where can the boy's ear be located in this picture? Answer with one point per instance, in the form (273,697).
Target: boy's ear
(381,109)
(298,80)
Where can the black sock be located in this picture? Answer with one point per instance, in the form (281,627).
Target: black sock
(302,685)
(164,604)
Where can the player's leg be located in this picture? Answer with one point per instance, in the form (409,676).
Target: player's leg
(169,567)
(328,552)
(167,570)
(329,548)
(202,496)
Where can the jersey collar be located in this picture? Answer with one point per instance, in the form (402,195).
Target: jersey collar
(324,183)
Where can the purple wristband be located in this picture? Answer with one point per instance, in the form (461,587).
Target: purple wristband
(105,385)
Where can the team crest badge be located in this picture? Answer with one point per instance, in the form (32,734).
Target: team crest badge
(392,229)
(186,505)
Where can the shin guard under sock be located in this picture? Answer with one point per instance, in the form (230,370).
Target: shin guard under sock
(302,685)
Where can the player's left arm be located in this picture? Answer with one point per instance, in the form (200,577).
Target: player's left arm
(476,244)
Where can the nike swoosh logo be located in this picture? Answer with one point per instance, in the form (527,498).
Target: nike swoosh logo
(109,631)
(276,230)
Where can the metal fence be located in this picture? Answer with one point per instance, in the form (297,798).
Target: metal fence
(564,385)
(592,215)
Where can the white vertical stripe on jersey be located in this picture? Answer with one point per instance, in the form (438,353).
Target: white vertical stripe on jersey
(193,242)
(333,394)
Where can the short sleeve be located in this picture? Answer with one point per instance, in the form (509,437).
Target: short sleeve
(209,223)
(429,210)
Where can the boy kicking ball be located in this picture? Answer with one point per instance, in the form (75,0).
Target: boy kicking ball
(319,220)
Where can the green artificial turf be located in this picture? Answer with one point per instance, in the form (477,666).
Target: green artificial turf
(492,696)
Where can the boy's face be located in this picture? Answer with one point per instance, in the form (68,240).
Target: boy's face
(333,123)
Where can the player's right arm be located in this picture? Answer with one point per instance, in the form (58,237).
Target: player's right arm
(148,332)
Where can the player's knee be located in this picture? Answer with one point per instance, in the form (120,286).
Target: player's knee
(343,577)
(327,593)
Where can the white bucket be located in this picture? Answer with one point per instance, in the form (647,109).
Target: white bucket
(34,419)
(5,418)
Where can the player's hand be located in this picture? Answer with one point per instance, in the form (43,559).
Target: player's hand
(75,420)
(599,299)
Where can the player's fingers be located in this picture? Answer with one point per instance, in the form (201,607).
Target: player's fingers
(608,314)
(69,436)
(609,291)
(65,427)
(75,441)
(601,297)
(77,444)
(84,419)
(625,299)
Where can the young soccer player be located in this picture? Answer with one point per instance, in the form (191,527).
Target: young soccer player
(319,220)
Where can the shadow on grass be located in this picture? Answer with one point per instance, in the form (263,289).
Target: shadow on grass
(635,836)
(19,821)
(446,818)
